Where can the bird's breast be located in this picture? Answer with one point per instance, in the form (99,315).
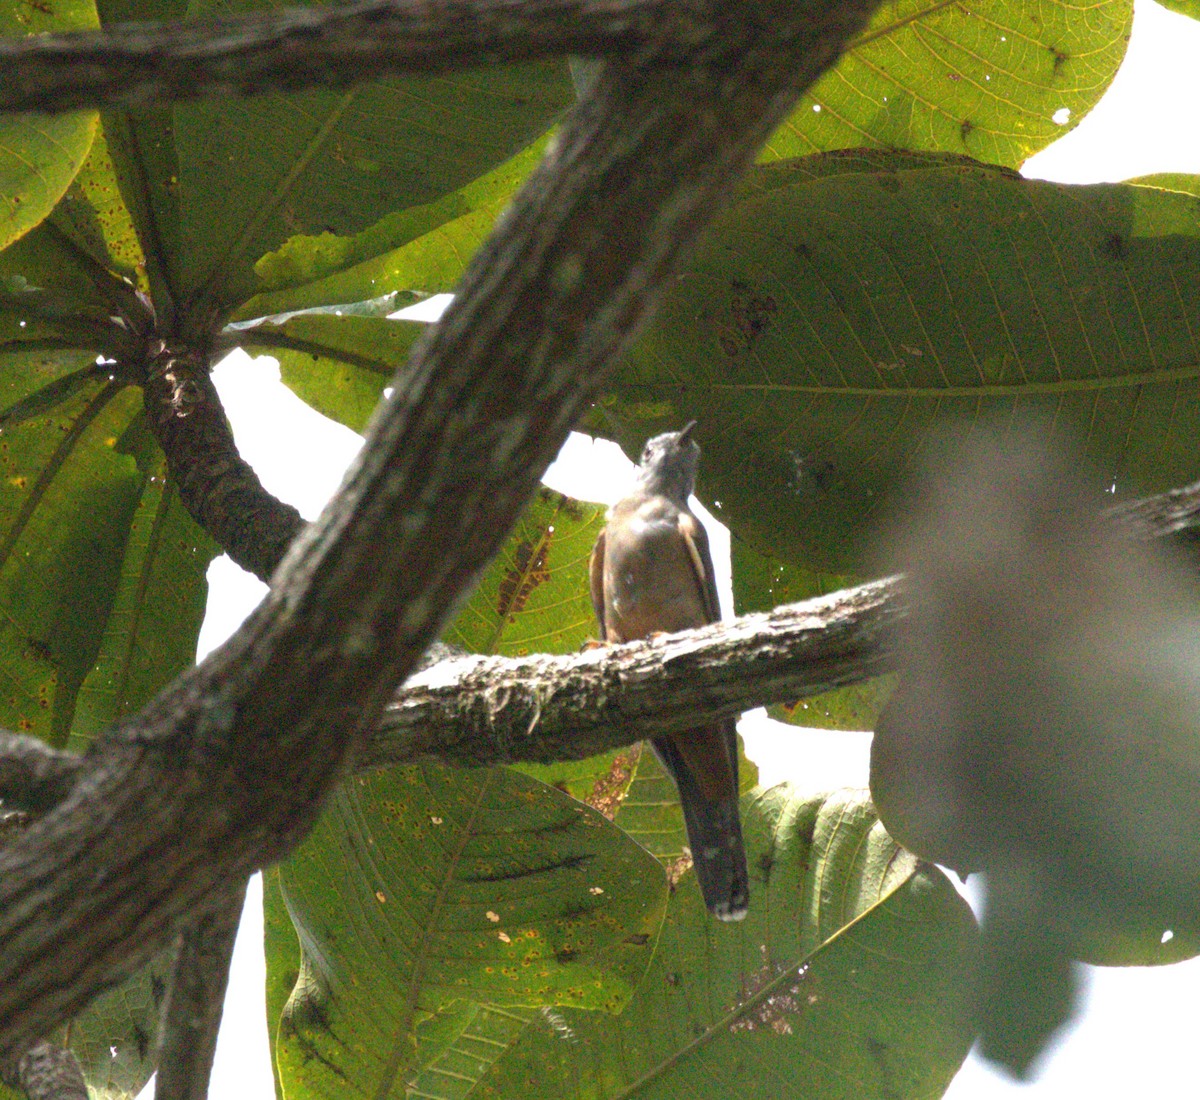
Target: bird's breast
(650,582)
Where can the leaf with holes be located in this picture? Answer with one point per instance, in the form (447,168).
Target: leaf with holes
(843,982)
(423,889)
(825,328)
(998,80)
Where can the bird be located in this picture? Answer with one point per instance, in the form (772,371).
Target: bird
(651,572)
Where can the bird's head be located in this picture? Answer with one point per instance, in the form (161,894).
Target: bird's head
(669,464)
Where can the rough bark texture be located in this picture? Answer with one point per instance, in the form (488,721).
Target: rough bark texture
(229,767)
(490,710)
(45,1072)
(135,64)
(191,1015)
(34,776)
(217,487)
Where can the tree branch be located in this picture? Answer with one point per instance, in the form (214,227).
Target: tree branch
(135,64)
(229,767)
(33,776)
(191,1016)
(218,488)
(499,710)
(46,1072)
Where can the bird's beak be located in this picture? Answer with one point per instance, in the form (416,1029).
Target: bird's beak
(686,431)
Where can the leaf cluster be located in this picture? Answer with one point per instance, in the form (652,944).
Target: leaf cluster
(882,276)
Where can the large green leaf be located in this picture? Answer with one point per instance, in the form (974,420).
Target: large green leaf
(215,185)
(40,154)
(422,889)
(95,216)
(150,636)
(535,598)
(843,981)
(338,363)
(59,560)
(826,327)
(424,249)
(997,80)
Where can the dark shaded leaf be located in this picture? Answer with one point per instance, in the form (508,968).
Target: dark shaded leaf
(825,328)
(843,981)
(424,886)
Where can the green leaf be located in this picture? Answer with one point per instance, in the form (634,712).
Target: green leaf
(116,1038)
(94,215)
(843,981)
(40,154)
(59,562)
(989,81)
(647,806)
(424,249)
(534,597)
(478,1035)
(150,636)
(1183,7)
(338,364)
(825,328)
(281,949)
(54,294)
(422,887)
(215,185)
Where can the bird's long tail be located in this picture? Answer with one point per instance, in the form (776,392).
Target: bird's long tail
(714,832)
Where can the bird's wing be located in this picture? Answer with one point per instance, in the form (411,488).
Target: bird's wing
(696,540)
(596,580)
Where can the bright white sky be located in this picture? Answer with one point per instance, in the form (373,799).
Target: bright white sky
(1137,1036)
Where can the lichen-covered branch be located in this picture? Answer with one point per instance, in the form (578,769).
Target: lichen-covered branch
(218,488)
(135,64)
(1175,512)
(498,710)
(45,1072)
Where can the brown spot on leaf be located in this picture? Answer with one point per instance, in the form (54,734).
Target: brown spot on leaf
(609,789)
(1112,247)
(528,572)
(747,316)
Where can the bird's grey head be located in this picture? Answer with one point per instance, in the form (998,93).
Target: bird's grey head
(669,464)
